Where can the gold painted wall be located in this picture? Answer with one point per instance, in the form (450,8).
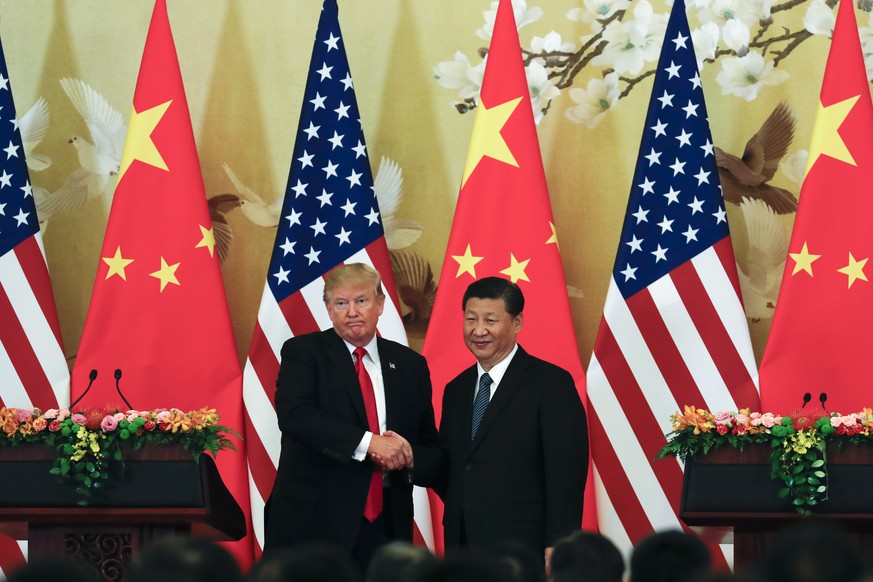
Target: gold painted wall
(245,63)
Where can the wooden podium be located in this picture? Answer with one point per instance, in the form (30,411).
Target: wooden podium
(154,492)
(729,497)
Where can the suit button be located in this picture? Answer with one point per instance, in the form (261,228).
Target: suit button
(468,466)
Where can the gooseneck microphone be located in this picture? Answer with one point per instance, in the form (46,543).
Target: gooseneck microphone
(92,376)
(806,398)
(118,389)
(823,398)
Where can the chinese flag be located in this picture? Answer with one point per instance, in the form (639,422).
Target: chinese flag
(823,325)
(158,312)
(503,227)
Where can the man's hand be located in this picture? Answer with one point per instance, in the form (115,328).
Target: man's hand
(548,558)
(390,450)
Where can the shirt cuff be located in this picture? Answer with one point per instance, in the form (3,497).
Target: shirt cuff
(361,452)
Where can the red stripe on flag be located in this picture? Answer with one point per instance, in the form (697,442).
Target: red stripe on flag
(24,360)
(264,363)
(647,428)
(260,464)
(725,252)
(297,314)
(633,518)
(36,272)
(715,337)
(10,555)
(378,252)
(663,349)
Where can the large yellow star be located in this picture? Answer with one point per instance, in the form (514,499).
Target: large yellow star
(515,270)
(855,270)
(486,139)
(826,139)
(117,264)
(554,238)
(139,144)
(166,274)
(803,260)
(207,241)
(467,263)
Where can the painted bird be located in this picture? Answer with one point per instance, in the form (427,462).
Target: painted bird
(252,205)
(33,126)
(388,186)
(98,161)
(767,249)
(748,177)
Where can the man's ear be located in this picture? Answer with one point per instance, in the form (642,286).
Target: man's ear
(519,322)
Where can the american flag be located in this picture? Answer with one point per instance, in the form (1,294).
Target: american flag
(673,330)
(330,216)
(33,370)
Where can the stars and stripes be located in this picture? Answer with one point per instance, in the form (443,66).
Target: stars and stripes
(673,330)
(329,216)
(33,369)
(32,362)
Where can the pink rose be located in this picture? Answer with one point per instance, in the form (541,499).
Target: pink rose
(108,424)
(131,416)
(723,417)
(741,418)
(164,416)
(118,416)
(63,414)
(22,415)
(50,414)
(768,420)
(78,418)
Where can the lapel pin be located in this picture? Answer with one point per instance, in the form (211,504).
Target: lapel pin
(391,365)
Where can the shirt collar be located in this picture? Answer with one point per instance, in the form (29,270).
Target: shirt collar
(372,350)
(499,369)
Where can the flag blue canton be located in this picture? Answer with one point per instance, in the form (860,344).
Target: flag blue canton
(330,210)
(676,209)
(18,219)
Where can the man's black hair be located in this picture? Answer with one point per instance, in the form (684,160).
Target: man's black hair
(496,288)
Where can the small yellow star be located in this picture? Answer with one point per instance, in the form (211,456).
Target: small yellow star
(207,241)
(167,273)
(467,263)
(117,264)
(855,270)
(515,270)
(826,139)
(554,238)
(486,139)
(139,144)
(803,260)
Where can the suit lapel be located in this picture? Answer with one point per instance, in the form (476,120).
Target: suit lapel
(339,355)
(509,384)
(391,381)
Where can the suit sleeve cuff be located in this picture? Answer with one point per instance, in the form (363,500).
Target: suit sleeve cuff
(361,451)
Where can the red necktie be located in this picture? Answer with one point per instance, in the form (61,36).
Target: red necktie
(374,497)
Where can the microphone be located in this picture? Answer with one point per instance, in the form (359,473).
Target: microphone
(823,398)
(92,376)
(806,398)
(118,389)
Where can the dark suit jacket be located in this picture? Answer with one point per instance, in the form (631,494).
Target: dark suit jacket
(320,491)
(523,478)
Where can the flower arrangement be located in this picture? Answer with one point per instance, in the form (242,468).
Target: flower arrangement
(797,440)
(87,441)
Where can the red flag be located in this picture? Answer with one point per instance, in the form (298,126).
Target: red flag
(158,312)
(823,325)
(673,331)
(503,226)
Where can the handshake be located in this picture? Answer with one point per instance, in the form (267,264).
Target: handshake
(390,451)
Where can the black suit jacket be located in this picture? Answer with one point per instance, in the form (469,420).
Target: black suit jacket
(320,491)
(523,478)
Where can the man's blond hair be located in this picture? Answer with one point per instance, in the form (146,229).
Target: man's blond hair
(352,275)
